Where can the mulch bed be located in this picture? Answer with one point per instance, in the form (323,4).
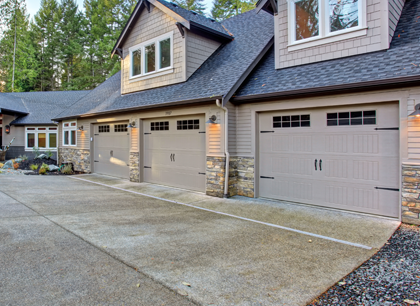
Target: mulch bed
(390,277)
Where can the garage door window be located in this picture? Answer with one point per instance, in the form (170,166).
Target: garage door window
(159,126)
(103,129)
(120,128)
(351,118)
(188,124)
(292,121)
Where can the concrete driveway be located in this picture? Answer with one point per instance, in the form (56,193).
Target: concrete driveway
(239,251)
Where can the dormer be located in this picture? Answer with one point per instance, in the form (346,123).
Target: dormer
(164,44)
(308,31)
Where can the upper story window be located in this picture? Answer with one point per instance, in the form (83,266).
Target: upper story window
(316,19)
(69,133)
(152,56)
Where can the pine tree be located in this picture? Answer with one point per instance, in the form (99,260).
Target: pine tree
(45,29)
(17,57)
(192,5)
(224,9)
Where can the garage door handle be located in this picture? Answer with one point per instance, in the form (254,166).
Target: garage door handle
(174,157)
(171,157)
(320,165)
(315,164)
(267,177)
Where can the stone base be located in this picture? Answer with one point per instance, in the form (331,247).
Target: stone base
(410,194)
(78,157)
(241,176)
(134,167)
(215,173)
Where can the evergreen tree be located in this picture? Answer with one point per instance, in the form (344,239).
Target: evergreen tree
(224,9)
(192,5)
(46,32)
(21,54)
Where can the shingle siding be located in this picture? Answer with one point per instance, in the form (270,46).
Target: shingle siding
(149,26)
(199,50)
(395,9)
(373,41)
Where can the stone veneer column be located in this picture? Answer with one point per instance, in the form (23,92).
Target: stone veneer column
(411,194)
(241,176)
(134,166)
(78,157)
(215,173)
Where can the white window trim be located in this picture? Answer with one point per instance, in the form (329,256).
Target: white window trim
(142,46)
(70,128)
(36,132)
(324,36)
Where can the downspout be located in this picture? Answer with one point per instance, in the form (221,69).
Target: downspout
(227,156)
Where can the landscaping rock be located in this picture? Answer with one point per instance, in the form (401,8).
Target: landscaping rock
(8,165)
(53,168)
(18,160)
(42,156)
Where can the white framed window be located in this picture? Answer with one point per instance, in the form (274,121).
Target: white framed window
(313,22)
(153,57)
(69,133)
(44,138)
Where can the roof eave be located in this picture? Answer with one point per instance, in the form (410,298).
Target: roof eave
(197,26)
(270,6)
(12,112)
(353,87)
(136,108)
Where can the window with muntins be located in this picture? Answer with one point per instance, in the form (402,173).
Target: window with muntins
(313,19)
(152,56)
(69,133)
(103,129)
(292,121)
(44,138)
(159,126)
(120,128)
(193,124)
(351,118)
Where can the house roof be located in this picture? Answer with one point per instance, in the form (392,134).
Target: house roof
(10,104)
(399,64)
(40,107)
(218,77)
(187,18)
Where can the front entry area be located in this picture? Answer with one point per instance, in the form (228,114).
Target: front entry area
(111,149)
(175,152)
(341,157)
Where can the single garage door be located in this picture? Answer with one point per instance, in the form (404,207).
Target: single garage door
(344,157)
(111,149)
(175,152)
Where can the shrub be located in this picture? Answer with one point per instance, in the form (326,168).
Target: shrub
(33,167)
(42,171)
(1,165)
(45,166)
(49,154)
(16,166)
(23,157)
(36,152)
(67,169)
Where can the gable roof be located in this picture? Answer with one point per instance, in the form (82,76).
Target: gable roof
(39,107)
(400,64)
(189,19)
(218,77)
(12,105)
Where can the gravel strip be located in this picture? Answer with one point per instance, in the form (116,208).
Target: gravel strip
(390,277)
(13,172)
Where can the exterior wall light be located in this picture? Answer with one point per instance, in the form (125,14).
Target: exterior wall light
(7,129)
(131,125)
(80,128)
(212,119)
(416,113)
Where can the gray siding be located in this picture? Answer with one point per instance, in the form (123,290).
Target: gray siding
(377,38)
(244,131)
(232,127)
(198,50)
(395,8)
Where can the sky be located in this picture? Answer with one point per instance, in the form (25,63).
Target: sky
(33,6)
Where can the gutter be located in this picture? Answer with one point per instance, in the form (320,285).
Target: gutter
(353,87)
(227,155)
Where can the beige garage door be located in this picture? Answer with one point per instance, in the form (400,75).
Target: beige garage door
(344,157)
(174,152)
(111,149)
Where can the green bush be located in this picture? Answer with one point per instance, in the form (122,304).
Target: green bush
(49,154)
(23,157)
(42,171)
(45,166)
(67,169)
(33,167)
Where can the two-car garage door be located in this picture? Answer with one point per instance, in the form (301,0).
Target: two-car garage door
(345,157)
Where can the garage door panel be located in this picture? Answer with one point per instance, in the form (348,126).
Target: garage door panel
(343,167)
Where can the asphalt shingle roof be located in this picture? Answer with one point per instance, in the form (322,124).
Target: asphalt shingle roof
(215,78)
(402,59)
(195,17)
(40,106)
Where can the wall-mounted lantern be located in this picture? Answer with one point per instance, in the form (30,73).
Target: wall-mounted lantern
(212,119)
(416,113)
(131,125)
(80,128)
(7,129)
